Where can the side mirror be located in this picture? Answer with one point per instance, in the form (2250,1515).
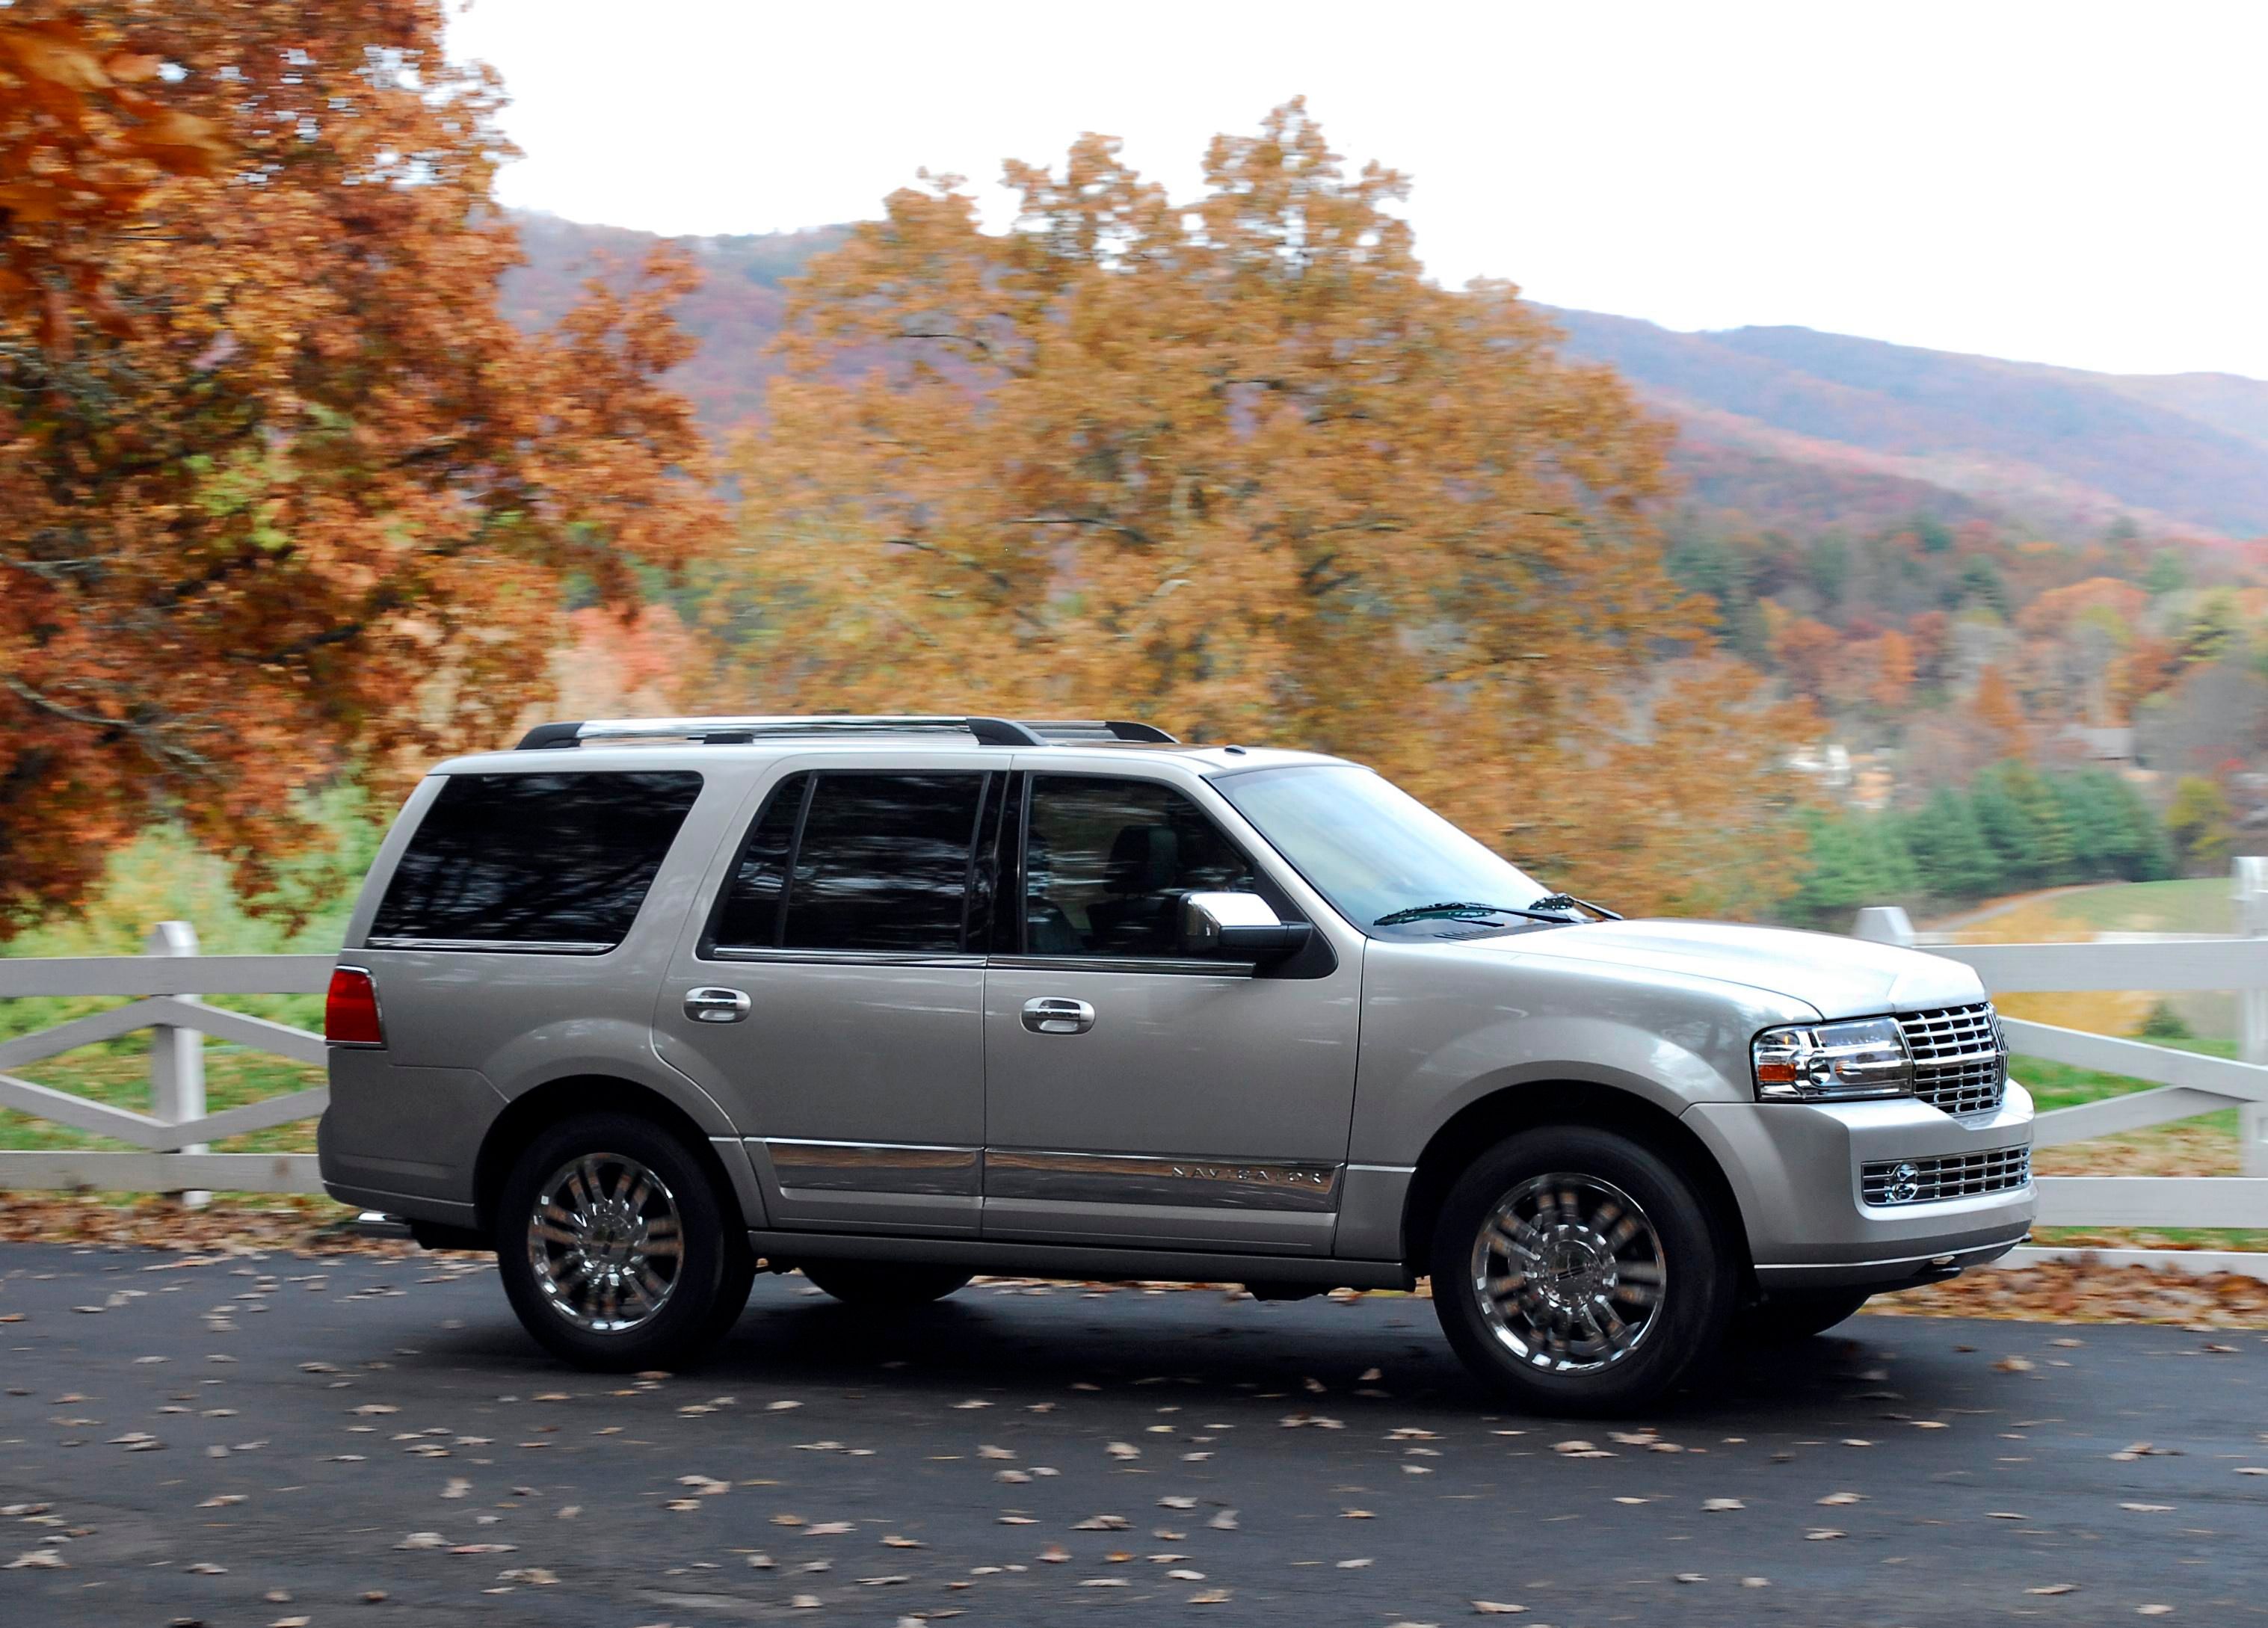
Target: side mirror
(1238,926)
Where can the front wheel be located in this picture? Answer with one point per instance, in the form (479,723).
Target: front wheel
(1576,1271)
(616,1246)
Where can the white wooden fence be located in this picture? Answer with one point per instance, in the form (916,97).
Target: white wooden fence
(2187,1084)
(173,1138)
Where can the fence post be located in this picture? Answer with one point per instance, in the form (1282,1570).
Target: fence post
(177,1056)
(1884,924)
(2251,876)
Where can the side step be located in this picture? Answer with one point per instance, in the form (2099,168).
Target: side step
(1094,1263)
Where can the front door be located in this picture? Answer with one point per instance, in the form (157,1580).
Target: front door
(831,995)
(1135,1097)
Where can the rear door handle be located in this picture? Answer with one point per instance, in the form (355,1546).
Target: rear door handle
(711,1004)
(1050,1015)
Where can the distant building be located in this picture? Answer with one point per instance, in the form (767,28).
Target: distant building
(2095,743)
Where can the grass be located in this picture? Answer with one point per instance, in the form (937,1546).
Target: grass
(2195,904)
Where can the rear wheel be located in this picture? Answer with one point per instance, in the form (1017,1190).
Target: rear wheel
(1575,1271)
(617,1246)
(884,1283)
(1784,1319)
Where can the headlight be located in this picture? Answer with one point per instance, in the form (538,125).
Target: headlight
(1833,1063)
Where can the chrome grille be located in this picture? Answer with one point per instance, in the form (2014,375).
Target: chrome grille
(1958,1175)
(1961,1063)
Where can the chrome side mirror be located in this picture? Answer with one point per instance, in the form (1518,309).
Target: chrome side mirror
(1238,926)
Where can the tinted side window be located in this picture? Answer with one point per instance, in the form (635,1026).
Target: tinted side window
(883,863)
(749,919)
(1107,862)
(560,862)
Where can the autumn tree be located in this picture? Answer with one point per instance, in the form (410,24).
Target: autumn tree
(281,490)
(1236,464)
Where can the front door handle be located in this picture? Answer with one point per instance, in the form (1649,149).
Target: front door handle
(1049,1015)
(710,1005)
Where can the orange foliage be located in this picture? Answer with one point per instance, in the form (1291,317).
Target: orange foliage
(1999,713)
(1894,670)
(313,503)
(81,141)
(2054,611)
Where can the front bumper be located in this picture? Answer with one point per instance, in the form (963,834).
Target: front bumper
(1795,1172)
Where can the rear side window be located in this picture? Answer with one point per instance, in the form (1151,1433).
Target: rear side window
(554,862)
(878,862)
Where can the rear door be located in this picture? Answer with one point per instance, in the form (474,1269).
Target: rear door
(829,989)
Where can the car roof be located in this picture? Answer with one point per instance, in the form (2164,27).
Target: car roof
(910,748)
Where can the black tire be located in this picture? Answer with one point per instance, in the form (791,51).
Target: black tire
(706,1288)
(1572,1361)
(875,1283)
(1787,1318)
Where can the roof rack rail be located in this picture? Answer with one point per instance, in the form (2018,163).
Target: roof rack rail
(738,730)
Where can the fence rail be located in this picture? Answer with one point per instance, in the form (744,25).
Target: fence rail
(173,1141)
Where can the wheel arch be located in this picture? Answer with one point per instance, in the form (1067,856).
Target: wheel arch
(1531,1104)
(555,1100)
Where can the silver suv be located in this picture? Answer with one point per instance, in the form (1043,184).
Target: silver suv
(647,1004)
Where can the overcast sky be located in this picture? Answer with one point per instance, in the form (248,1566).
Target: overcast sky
(2071,183)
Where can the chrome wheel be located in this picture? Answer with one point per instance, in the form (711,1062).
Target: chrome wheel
(606,1241)
(1569,1273)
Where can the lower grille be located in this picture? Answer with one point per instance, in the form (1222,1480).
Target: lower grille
(1959,1175)
(1961,1063)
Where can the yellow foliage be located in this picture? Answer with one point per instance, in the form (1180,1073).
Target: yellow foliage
(1239,467)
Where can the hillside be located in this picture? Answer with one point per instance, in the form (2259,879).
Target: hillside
(1783,426)
(2069,449)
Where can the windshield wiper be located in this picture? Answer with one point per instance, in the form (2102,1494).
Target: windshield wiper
(1459,908)
(1567,901)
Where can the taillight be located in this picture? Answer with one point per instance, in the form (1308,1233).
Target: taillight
(350,1010)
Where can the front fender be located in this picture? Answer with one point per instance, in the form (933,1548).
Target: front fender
(1444,1027)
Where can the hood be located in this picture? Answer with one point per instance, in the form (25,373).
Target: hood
(1840,977)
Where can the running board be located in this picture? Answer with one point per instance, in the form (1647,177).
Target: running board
(1104,1266)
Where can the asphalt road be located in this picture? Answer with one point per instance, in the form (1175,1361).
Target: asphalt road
(272,1441)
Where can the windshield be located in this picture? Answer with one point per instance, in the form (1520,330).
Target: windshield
(1375,852)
